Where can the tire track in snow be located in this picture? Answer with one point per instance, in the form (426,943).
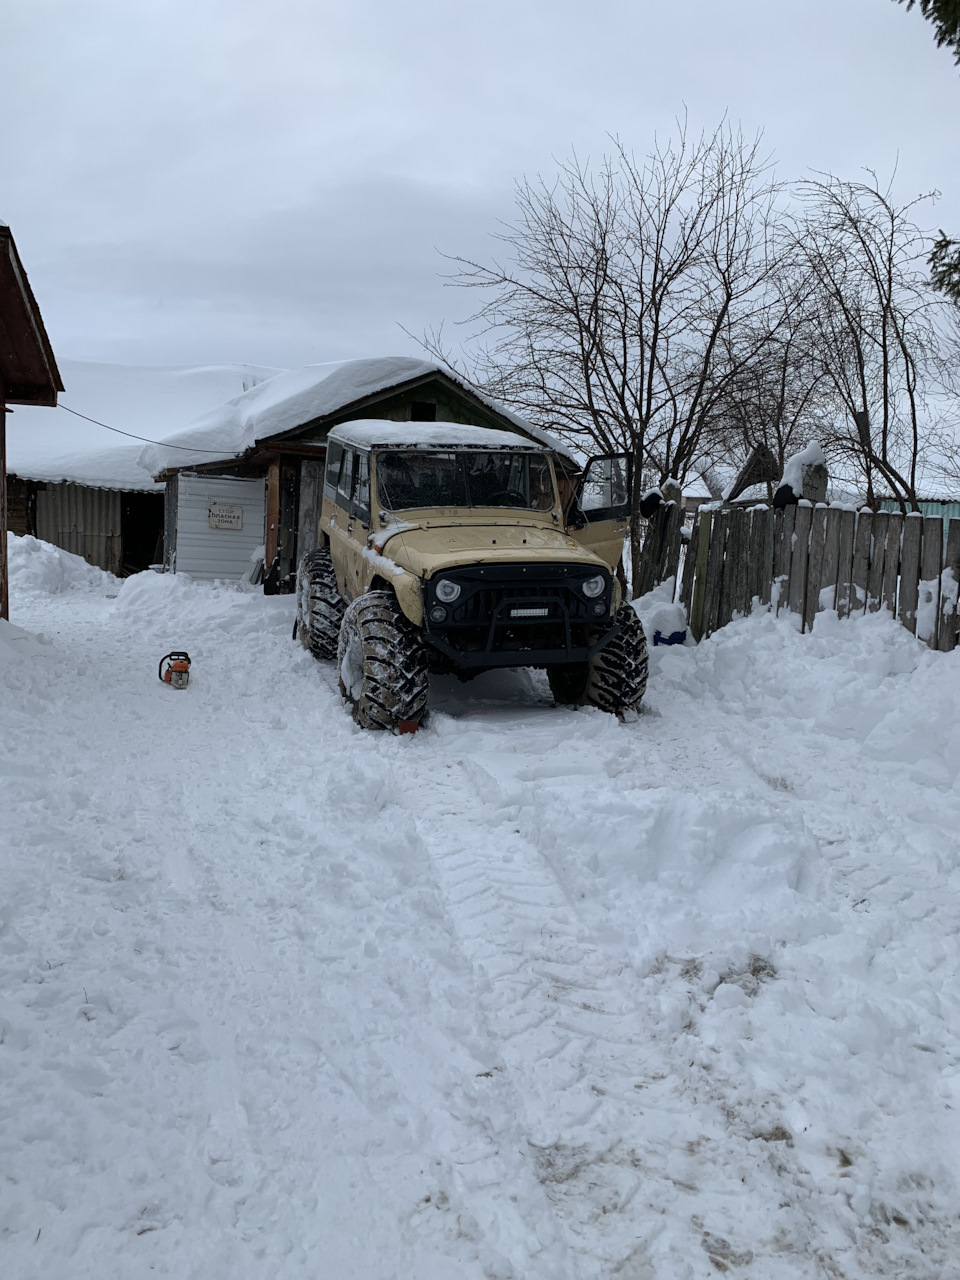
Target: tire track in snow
(560,1014)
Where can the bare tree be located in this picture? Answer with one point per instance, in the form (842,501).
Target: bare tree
(607,321)
(775,397)
(880,336)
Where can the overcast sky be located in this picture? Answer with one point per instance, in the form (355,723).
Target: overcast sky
(234,180)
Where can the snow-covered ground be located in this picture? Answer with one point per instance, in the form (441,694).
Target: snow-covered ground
(531,994)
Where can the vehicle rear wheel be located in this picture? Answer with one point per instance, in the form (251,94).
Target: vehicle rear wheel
(319,606)
(382,663)
(617,675)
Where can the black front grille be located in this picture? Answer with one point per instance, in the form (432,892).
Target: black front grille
(481,626)
(484,602)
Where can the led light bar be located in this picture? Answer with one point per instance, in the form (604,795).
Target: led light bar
(542,612)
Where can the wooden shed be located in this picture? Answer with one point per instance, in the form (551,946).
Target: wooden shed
(276,433)
(28,371)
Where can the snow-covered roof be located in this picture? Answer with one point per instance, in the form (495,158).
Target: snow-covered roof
(152,401)
(372,433)
(97,469)
(292,399)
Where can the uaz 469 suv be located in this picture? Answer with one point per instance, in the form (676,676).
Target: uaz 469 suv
(453,548)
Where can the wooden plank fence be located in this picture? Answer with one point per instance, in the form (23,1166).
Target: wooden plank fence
(804,559)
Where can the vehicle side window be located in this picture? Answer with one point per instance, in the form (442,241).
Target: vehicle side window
(361,492)
(345,487)
(332,474)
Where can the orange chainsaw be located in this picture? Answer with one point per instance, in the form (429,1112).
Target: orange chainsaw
(177,671)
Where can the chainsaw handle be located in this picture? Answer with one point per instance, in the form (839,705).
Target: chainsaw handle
(177,655)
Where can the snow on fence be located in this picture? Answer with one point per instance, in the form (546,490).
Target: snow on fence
(806,558)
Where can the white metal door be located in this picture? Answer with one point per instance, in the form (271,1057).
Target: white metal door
(220,523)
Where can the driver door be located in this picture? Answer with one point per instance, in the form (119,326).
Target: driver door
(600,518)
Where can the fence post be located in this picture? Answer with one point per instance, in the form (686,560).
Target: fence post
(949,580)
(668,556)
(801,557)
(698,591)
(783,555)
(931,559)
(910,571)
(861,562)
(766,515)
(848,526)
(689,568)
(875,572)
(831,555)
(818,542)
(714,583)
(731,594)
(891,562)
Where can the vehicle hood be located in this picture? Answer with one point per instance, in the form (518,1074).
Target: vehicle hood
(426,550)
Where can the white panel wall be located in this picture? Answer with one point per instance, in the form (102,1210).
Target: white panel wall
(203,552)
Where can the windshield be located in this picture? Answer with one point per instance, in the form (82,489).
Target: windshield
(464,478)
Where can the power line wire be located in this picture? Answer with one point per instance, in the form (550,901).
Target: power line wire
(146,440)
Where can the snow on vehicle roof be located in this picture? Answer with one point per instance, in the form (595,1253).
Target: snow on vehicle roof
(292,399)
(374,433)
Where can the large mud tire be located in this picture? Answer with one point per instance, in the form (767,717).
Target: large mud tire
(617,675)
(382,663)
(319,606)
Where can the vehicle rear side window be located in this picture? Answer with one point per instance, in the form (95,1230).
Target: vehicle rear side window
(332,473)
(361,491)
(345,487)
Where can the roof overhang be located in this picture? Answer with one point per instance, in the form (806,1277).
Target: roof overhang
(28,371)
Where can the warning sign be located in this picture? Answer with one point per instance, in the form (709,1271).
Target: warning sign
(221,516)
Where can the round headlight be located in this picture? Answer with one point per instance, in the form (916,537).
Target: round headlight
(593,587)
(447,591)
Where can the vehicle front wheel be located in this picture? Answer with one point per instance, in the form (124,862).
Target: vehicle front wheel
(382,664)
(319,606)
(615,679)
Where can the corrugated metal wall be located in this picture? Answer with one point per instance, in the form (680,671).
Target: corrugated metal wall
(946,510)
(203,552)
(84,521)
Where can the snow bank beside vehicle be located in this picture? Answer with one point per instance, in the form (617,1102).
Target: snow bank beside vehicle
(168,603)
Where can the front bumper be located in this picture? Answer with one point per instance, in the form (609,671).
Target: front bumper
(519,615)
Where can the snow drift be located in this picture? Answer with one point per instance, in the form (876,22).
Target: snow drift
(531,994)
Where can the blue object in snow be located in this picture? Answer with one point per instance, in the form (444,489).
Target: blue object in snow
(675,637)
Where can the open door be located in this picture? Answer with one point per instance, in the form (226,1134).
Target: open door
(601,516)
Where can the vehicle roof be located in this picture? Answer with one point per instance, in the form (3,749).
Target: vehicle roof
(375,433)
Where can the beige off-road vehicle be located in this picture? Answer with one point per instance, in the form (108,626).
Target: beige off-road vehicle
(448,548)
